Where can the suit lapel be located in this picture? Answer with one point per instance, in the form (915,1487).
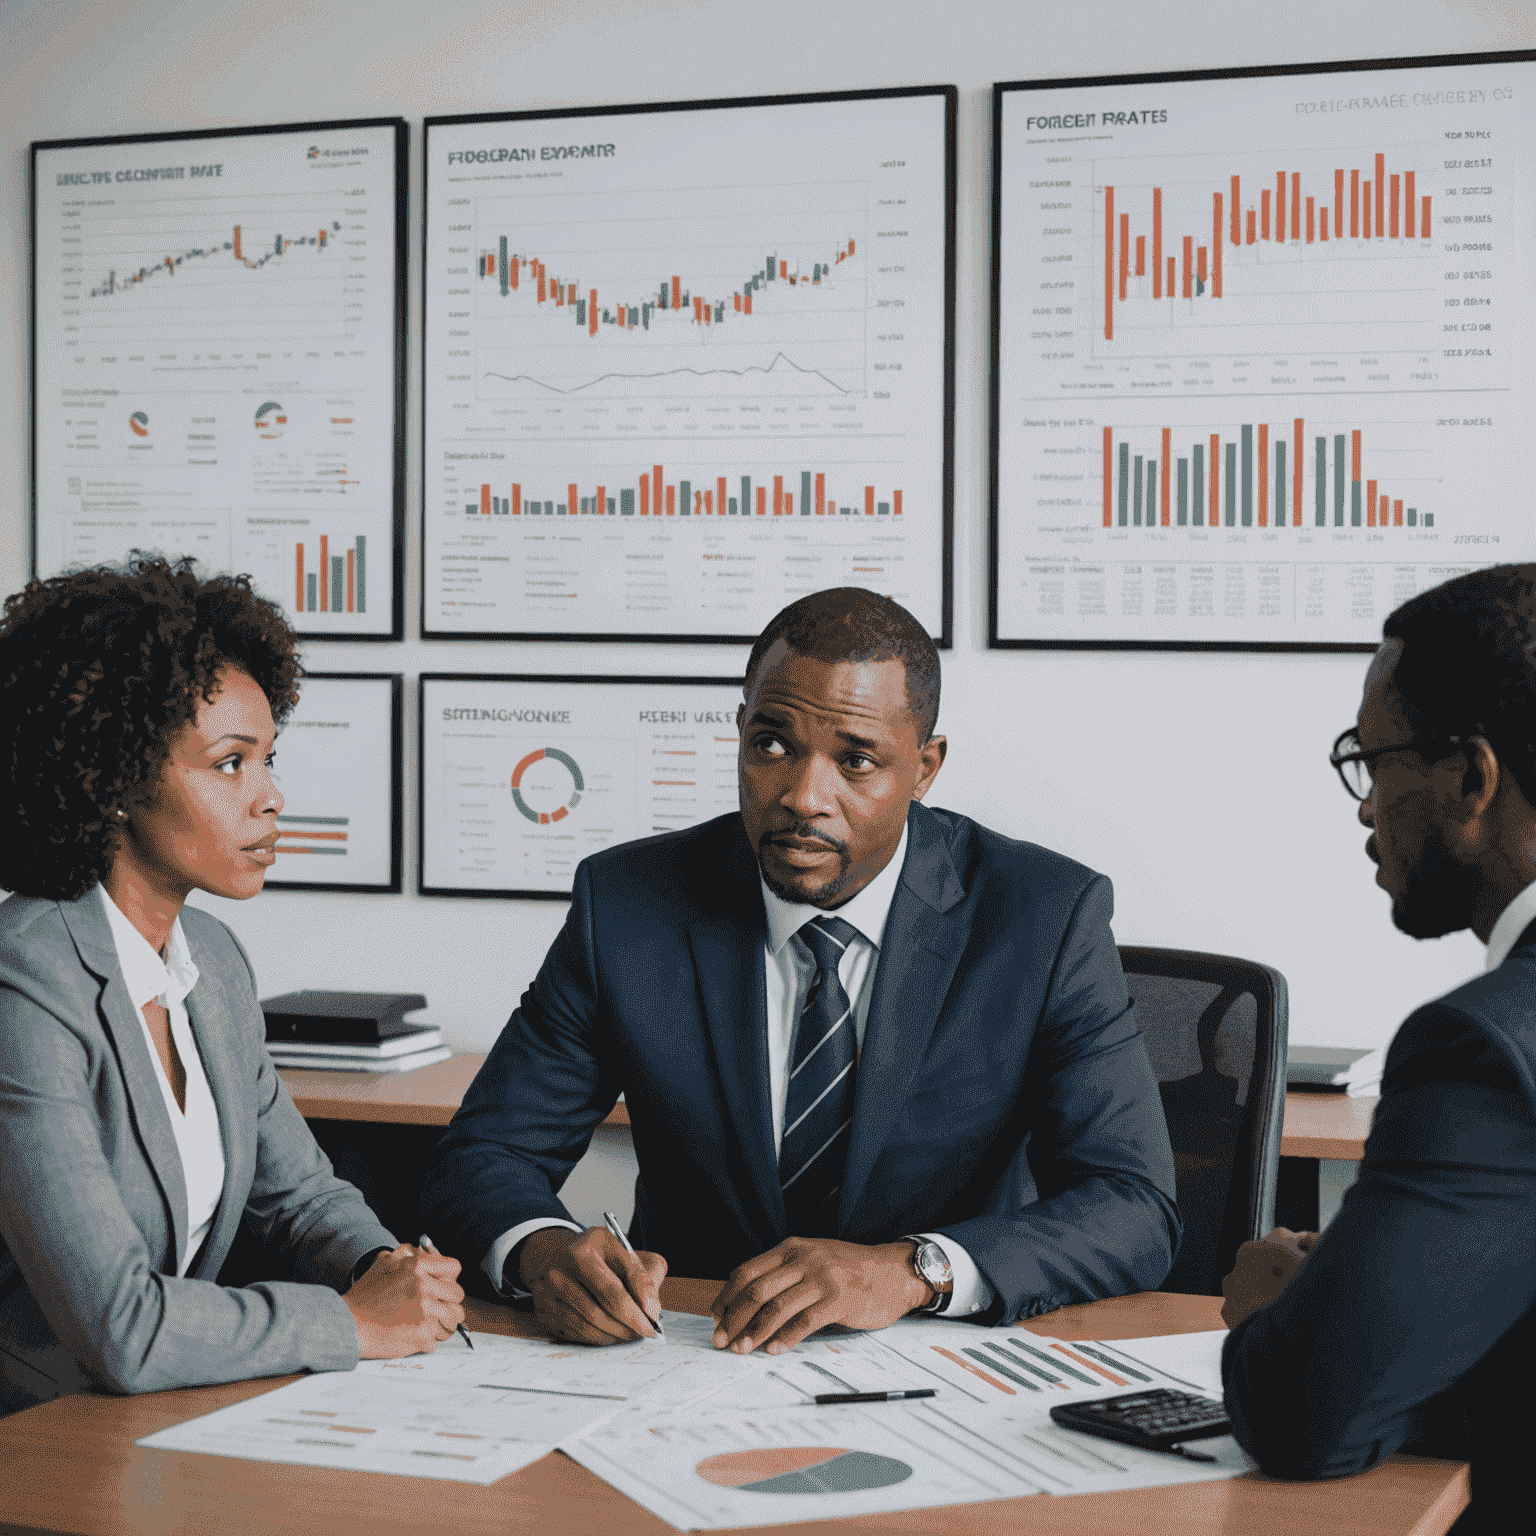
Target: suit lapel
(210,1015)
(87,924)
(727,945)
(919,951)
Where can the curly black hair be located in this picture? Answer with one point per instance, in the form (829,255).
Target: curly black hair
(100,670)
(1469,663)
(855,624)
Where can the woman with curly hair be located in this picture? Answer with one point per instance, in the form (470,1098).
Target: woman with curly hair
(141,1119)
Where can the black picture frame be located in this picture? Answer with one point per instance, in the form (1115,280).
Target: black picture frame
(400,188)
(574,678)
(945,638)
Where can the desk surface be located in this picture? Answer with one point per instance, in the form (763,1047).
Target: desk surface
(72,1467)
(1316,1124)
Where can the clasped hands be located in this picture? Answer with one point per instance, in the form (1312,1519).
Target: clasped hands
(588,1290)
(1262,1270)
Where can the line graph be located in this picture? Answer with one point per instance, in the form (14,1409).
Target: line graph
(782,376)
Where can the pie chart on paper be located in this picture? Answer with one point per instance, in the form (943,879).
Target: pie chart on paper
(803,1469)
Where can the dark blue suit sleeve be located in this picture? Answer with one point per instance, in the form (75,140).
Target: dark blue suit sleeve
(529,1115)
(1104,1222)
(1426,1267)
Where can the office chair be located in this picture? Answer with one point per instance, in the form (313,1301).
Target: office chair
(1215,1029)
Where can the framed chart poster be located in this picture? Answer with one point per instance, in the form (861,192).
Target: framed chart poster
(218,332)
(1260,347)
(338,765)
(685,363)
(522,777)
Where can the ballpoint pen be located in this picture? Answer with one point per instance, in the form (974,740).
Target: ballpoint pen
(612,1223)
(426,1244)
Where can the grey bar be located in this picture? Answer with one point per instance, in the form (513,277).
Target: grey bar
(1338,481)
(685,498)
(1125,482)
(805,493)
(338,577)
(746,495)
(1198,451)
(1354,503)
(882,509)
(1280,518)
(627,503)
(1429,519)
(1136,493)
(1322,482)
(1152,490)
(732,501)
(1183,492)
(504,274)
(362,573)
(1247,477)
(1231,518)
(610,506)
(310,581)
(1413,517)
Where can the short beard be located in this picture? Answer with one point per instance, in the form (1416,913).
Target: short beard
(823,894)
(1439,894)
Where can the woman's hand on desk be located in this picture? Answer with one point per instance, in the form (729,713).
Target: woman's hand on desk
(406,1303)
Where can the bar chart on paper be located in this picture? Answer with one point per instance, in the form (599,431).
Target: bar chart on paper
(1257,352)
(730,376)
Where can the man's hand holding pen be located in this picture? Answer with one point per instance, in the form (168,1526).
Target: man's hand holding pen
(586,1288)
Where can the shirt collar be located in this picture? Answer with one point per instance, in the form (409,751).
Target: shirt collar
(867,911)
(145,974)
(1513,921)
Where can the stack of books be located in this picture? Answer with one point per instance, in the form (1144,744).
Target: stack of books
(352,1031)
(1335,1069)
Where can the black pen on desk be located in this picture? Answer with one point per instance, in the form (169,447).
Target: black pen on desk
(823,1398)
(612,1223)
(427,1245)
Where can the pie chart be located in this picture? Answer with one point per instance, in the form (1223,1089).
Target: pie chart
(803,1469)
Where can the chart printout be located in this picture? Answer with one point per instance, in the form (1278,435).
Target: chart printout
(682,366)
(215,365)
(1263,350)
(522,778)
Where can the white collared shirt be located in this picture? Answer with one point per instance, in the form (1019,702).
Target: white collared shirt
(1513,921)
(167,982)
(788,972)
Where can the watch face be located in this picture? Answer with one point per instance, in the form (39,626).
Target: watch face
(933,1266)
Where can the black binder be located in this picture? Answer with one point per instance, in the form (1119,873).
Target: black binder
(340,1017)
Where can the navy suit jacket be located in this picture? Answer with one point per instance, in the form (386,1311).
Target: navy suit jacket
(1414,1318)
(1003,1093)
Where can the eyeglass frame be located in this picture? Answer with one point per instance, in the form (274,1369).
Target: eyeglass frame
(1368,755)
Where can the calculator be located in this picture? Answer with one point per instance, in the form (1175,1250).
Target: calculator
(1156,1421)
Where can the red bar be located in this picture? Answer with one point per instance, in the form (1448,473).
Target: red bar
(656,490)
(1237,238)
(1295,205)
(1125,251)
(1365,212)
(1397,514)
(1296,474)
(709,502)
(1141,266)
(1215,476)
(618,316)
(573,501)
(1109,263)
(1189,266)
(895,503)
(1381,192)
(1168,435)
(1386,508)
(869,501)
(698,310)
(645,495)
(1264,214)
(1157,245)
(1171,276)
(671,501)
(1310,220)
(1216,245)
(677,291)
(1200,264)
(517,499)
(784,265)
(1370,503)
(325,573)
(1252,233)
(238,256)
(778,495)
(541,281)
(1354,205)
(601,509)
(592,313)
(747,304)
(1338,205)
(514,265)
(850,245)
(298,549)
(821,495)
(485,501)
(736,302)
(1396,191)
(762,501)
(1322,223)
(352,553)
(1109,475)
(1408,205)
(1279,205)
(1263,475)
(1424,218)
(558,289)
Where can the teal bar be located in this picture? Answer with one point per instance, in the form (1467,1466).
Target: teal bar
(338,580)
(1321,476)
(685,498)
(746,495)
(1354,503)
(1413,517)
(1125,483)
(627,503)
(1151,493)
(362,573)
(1338,481)
(1429,519)
(882,509)
(1280,484)
(1136,493)
(1231,484)
(1247,477)
(610,507)
(1183,492)
(1197,450)
(732,501)
(503,270)
(311,584)
(470,509)
(805,493)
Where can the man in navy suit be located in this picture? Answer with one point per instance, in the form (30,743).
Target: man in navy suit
(876,1057)
(1413,1317)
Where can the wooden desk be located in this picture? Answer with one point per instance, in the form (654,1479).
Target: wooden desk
(71,1466)
(1325,1125)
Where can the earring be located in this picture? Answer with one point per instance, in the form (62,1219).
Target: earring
(121,813)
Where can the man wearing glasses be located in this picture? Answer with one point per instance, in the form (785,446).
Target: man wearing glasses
(1413,1317)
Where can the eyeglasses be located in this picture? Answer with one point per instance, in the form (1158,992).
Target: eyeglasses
(1357,764)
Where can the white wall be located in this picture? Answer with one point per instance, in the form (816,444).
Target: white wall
(1198,782)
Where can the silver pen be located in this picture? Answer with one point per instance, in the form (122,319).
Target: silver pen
(427,1245)
(612,1223)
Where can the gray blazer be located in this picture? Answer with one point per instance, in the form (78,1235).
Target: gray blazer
(93,1207)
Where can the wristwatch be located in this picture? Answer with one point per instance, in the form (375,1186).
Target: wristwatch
(930,1266)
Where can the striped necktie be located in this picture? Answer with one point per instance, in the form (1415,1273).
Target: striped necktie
(819,1109)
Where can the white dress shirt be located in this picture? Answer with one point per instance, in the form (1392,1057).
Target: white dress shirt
(167,982)
(789,969)
(1513,921)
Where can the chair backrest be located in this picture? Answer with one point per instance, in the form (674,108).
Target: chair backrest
(1215,1029)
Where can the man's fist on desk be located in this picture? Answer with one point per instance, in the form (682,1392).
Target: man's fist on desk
(1262,1271)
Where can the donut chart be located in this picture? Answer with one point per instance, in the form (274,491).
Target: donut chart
(803,1469)
(544,818)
